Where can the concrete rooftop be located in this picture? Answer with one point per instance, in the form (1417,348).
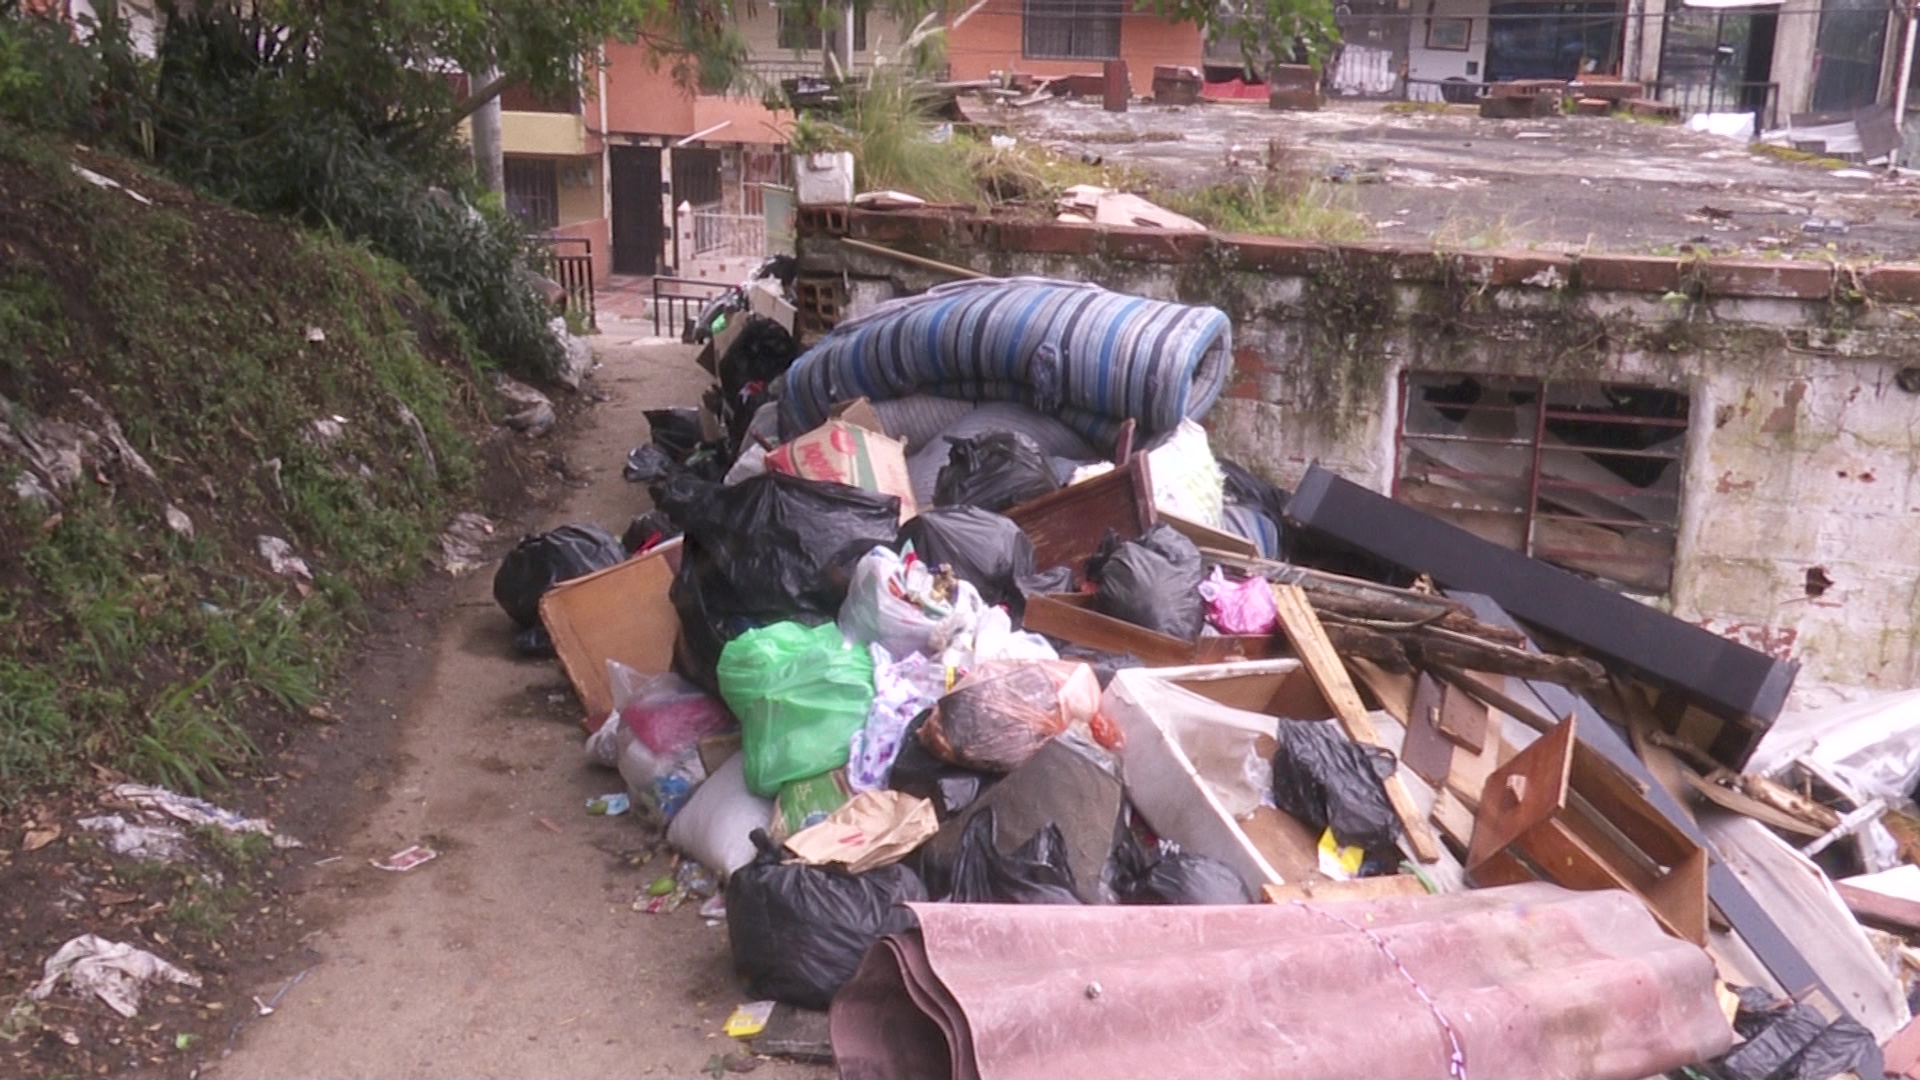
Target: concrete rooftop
(1561,183)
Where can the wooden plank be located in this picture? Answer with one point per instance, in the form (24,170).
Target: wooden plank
(1463,718)
(1454,817)
(1204,536)
(1879,909)
(1070,616)
(1309,640)
(1741,803)
(1393,691)
(1427,752)
(1366,888)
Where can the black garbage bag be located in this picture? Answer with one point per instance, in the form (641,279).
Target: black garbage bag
(762,353)
(995,471)
(798,932)
(1325,779)
(538,563)
(1140,877)
(648,531)
(770,548)
(1036,872)
(918,773)
(648,464)
(534,643)
(675,431)
(1243,487)
(1785,1039)
(983,548)
(1152,582)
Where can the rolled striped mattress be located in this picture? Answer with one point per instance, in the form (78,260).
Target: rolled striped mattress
(1070,350)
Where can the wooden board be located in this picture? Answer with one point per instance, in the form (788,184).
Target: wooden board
(1067,526)
(1070,616)
(620,613)
(1878,909)
(1366,888)
(1463,719)
(1204,536)
(1426,751)
(1394,692)
(1310,642)
(1454,818)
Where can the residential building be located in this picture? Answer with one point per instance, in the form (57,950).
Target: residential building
(1064,37)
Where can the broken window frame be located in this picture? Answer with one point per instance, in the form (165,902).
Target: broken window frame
(1070,29)
(1539,445)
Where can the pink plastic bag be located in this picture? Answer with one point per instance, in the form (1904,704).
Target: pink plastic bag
(666,712)
(1239,607)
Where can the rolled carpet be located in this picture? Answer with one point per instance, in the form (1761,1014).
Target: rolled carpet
(1074,351)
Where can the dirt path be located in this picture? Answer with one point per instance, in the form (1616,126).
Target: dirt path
(517,952)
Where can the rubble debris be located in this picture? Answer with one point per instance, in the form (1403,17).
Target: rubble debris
(1103,206)
(116,973)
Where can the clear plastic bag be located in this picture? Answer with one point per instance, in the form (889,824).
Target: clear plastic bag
(899,602)
(667,712)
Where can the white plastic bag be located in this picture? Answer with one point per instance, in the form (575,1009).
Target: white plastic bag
(899,603)
(902,690)
(1187,481)
(716,826)
(994,638)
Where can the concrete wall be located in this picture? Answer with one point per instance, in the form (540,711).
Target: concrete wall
(1425,63)
(991,40)
(1803,449)
(642,99)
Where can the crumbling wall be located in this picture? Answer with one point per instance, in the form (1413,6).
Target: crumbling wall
(1802,469)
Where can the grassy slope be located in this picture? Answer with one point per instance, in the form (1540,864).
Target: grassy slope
(194,326)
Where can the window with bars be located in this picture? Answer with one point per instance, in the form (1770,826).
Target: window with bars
(1583,475)
(1071,29)
(802,29)
(533,192)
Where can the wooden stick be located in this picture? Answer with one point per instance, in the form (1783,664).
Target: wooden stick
(1330,674)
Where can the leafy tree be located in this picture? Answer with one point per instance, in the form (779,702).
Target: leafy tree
(1268,32)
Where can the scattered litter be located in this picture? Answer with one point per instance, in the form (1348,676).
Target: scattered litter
(97,180)
(39,836)
(608,805)
(315,335)
(461,543)
(117,974)
(873,829)
(750,1019)
(156,841)
(281,559)
(1106,207)
(530,410)
(406,859)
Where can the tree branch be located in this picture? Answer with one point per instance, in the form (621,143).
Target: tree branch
(473,102)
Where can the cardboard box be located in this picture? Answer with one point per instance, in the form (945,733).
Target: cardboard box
(843,451)
(620,613)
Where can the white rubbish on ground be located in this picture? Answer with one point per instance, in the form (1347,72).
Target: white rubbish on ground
(1725,125)
(577,354)
(460,544)
(108,182)
(155,841)
(115,973)
(179,522)
(280,557)
(534,414)
(1867,749)
(199,813)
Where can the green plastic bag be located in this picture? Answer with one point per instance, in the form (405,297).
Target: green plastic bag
(800,693)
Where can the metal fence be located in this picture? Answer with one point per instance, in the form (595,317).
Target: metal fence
(721,235)
(569,261)
(1761,98)
(677,300)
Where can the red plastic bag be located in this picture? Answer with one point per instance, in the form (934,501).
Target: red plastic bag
(1004,711)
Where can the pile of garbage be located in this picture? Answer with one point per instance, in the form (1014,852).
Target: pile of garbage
(1000,718)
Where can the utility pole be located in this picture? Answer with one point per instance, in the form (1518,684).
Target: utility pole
(488,155)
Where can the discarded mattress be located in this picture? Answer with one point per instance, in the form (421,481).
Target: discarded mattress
(1075,351)
(1525,980)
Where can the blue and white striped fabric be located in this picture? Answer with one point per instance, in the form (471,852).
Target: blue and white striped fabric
(1071,350)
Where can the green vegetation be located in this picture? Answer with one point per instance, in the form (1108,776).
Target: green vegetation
(1795,157)
(214,340)
(1281,204)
